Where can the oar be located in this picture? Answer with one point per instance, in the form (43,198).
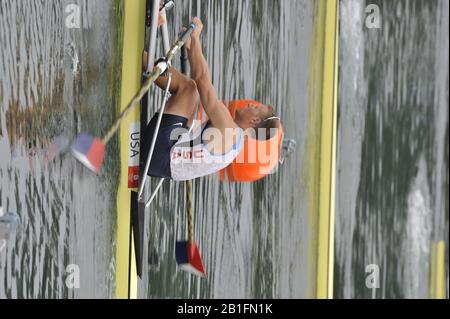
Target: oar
(90,150)
(186,252)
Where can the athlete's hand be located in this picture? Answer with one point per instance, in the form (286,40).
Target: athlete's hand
(199,27)
(195,34)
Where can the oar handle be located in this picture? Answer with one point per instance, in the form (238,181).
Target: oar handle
(187,33)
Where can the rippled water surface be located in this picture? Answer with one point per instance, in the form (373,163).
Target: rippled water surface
(56,81)
(392,191)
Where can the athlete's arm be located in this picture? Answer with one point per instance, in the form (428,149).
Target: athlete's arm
(217,112)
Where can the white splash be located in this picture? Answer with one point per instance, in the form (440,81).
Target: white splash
(416,247)
(71,52)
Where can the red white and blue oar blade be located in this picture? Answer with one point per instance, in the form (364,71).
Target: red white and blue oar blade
(188,258)
(89,150)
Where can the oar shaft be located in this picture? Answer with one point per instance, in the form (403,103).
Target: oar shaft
(189,211)
(188,184)
(157,71)
(181,40)
(139,95)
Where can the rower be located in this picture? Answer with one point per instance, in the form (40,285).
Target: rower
(183,155)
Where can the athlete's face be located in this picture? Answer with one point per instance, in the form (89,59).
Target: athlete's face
(253,115)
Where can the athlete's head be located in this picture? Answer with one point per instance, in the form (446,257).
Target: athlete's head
(260,118)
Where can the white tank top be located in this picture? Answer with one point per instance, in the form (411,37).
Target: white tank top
(190,157)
